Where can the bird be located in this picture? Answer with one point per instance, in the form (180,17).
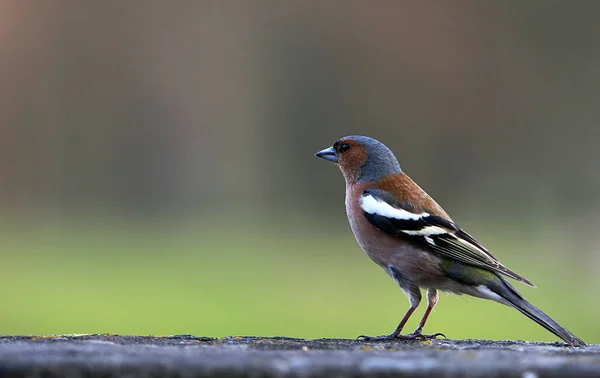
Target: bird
(408,234)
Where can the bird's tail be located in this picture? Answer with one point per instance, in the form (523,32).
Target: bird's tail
(514,299)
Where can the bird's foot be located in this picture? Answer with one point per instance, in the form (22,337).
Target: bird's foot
(392,337)
(379,338)
(420,336)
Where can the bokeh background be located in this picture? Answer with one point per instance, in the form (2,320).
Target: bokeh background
(157,172)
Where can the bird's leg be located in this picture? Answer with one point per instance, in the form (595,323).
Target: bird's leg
(414,296)
(432,299)
(394,335)
(402,323)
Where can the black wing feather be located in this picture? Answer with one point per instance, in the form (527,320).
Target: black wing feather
(442,236)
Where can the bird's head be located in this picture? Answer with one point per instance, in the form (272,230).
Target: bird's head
(361,158)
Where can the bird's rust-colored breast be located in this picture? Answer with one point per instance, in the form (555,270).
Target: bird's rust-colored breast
(376,244)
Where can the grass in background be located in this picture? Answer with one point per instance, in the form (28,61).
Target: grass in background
(214,278)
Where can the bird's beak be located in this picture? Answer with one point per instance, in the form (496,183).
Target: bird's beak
(327,154)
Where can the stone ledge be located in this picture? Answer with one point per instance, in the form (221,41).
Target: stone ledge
(185,355)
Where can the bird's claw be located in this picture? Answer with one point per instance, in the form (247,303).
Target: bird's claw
(376,338)
(392,337)
(420,336)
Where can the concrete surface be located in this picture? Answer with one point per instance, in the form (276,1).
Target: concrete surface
(189,356)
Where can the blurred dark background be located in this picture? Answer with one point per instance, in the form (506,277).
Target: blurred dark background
(157,172)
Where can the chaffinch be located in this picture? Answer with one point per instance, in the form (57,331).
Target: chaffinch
(403,230)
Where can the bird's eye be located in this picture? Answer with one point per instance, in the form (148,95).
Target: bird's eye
(345,147)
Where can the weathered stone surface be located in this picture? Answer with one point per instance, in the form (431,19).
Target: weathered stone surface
(189,356)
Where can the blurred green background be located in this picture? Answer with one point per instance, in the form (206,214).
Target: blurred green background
(157,172)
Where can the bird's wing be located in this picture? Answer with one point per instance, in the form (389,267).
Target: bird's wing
(442,236)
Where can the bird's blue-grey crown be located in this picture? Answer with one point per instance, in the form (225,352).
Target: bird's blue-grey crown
(381,161)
